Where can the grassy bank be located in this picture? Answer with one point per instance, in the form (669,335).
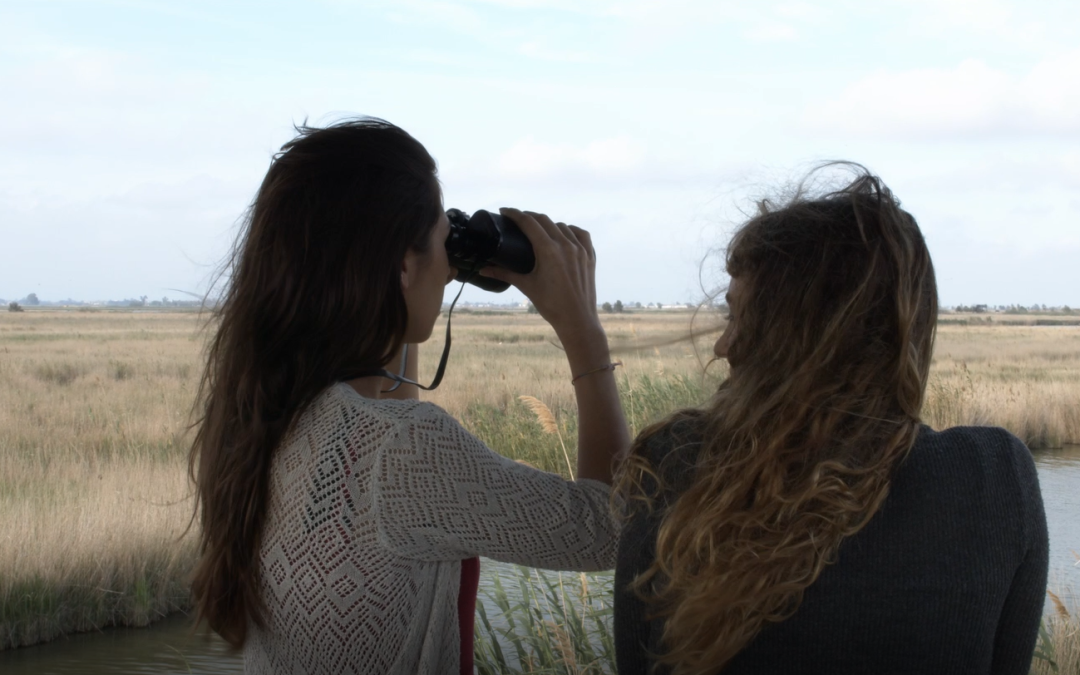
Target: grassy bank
(93,496)
(93,407)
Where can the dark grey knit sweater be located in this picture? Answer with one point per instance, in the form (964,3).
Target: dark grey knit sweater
(948,577)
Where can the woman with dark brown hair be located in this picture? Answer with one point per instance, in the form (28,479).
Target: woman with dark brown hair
(340,526)
(804,520)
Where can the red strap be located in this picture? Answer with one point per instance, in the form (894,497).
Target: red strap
(470,583)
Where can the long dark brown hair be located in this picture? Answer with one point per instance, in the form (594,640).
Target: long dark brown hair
(313,290)
(829,362)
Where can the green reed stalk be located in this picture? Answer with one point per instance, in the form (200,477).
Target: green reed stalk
(561,625)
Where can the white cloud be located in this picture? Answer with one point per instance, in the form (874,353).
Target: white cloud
(603,166)
(577,6)
(1053,87)
(100,173)
(1019,174)
(538,49)
(972,99)
(145,240)
(1004,23)
(799,10)
(606,158)
(772,32)
(94,98)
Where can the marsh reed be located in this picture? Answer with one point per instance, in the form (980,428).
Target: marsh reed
(549,622)
(94,498)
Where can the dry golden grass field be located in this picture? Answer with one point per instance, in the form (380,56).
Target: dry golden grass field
(93,409)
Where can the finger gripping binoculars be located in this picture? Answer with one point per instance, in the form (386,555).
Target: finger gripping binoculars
(487,239)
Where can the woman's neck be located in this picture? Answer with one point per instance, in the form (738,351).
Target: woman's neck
(368,387)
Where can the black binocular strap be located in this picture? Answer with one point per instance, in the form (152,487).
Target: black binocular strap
(400,379)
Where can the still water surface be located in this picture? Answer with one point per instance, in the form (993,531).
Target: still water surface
(169,648)
(1059,478)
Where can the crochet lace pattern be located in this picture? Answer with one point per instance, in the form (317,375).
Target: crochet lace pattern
(373,504)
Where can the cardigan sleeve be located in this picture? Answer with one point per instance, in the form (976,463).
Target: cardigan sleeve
(1018,624)
(438,493)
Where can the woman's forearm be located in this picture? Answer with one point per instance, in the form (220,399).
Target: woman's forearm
(562,287)
(603,438)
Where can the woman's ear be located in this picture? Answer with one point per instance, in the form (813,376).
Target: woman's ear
(409,265)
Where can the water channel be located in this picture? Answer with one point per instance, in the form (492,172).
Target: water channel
(169,647)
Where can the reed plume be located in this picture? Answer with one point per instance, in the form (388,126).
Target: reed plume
(1059,606)
(547,421)
(544,416)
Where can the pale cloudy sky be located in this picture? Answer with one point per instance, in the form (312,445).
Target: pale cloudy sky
(137,131)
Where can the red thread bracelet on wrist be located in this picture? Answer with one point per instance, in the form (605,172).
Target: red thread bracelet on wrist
(611,366)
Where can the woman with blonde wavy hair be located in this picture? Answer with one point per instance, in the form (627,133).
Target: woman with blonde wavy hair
(805,520)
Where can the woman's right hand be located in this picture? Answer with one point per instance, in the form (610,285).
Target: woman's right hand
(562,285)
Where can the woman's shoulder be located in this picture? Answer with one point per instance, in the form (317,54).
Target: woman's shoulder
(971,437)
(987,446)
(672,446)
(989,461)
(680,434)
(387,413)
(340,408)
(387,408)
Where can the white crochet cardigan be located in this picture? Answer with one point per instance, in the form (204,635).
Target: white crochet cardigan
(373,505)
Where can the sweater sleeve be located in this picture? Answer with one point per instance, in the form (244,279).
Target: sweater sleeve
(440,494)
(1018,625)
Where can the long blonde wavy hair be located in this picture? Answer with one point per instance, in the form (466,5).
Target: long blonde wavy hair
(829,363)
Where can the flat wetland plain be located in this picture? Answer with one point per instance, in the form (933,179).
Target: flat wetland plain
(94,407)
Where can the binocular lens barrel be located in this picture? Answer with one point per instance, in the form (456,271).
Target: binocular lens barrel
(487,239)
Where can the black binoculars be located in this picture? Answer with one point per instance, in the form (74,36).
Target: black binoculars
(487,239)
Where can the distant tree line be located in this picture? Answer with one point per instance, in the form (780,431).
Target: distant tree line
(1014,309)
(618,307)
(32,300)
